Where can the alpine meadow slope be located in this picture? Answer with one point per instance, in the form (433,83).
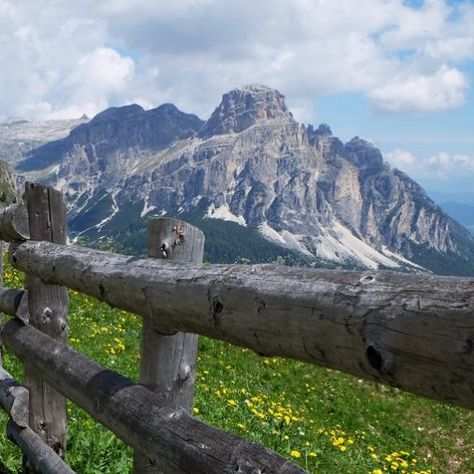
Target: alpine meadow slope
(298,189)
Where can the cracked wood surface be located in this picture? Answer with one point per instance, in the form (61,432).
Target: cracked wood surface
(412,331)
(48,307)
(136,415)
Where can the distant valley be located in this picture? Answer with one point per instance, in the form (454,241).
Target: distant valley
(459,206)
(262,186)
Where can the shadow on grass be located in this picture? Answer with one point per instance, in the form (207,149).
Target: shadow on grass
(4,469)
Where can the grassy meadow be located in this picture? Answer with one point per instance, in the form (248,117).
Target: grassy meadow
(325,421)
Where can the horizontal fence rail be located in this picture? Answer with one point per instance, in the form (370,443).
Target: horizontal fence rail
(14,223)
(11,300)
(42,458)
(415,332)
(135,414)
(14,398)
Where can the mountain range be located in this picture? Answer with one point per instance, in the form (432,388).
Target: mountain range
(260,184)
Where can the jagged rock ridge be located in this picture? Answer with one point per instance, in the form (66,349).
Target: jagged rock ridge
(253,164)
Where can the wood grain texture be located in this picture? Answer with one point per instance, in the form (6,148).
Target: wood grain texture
(412,331)
(135,414)
(168,362)
(48,306)
(41,458)
(14,223)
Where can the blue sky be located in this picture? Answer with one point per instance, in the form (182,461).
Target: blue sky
(400,73)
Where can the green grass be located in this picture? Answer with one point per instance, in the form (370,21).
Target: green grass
(325,421)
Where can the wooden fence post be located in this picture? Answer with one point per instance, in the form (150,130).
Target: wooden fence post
(48,309)
(168,362)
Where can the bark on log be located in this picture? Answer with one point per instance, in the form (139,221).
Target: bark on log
(168,362)
(11,300)
(135,414)
(14,223)
(41,457)
(14,398)
(48,307)
(413,331)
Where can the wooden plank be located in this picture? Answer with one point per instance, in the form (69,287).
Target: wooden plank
(48,307)
(136,415)
(412,331)
(14,223)
(168,362)
(41,458)
(14,398)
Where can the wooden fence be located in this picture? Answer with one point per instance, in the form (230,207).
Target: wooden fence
(412,331)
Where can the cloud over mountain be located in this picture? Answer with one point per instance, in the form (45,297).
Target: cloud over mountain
(66,58)
(442,166)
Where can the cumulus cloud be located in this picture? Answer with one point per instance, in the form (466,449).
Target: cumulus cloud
(441,166)
(443,90)
(56,62)
(63,57)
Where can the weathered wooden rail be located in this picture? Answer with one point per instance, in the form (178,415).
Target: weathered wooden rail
(415,332)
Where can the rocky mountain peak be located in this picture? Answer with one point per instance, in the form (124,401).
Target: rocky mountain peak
(314,136)
(243,107)
(364,154)
(119,113)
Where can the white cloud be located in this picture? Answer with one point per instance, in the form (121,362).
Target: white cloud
(56,62)
(67,57)
(442,166)
(443,90)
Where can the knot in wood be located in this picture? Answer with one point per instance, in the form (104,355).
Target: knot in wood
(164,249)
(375,358)
(366,279)
(382,361)
(46,314)
(62,324)
(179,231)
(184,372)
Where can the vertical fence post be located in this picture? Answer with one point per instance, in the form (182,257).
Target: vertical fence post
(168,362)
(48,309)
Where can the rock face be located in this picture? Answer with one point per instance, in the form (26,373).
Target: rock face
(242,108)
(253,164)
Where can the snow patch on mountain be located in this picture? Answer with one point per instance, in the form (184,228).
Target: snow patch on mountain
(115,209)
(223,212)
(147,208)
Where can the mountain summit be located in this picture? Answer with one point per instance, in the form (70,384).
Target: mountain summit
(254,167)
(241,108)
